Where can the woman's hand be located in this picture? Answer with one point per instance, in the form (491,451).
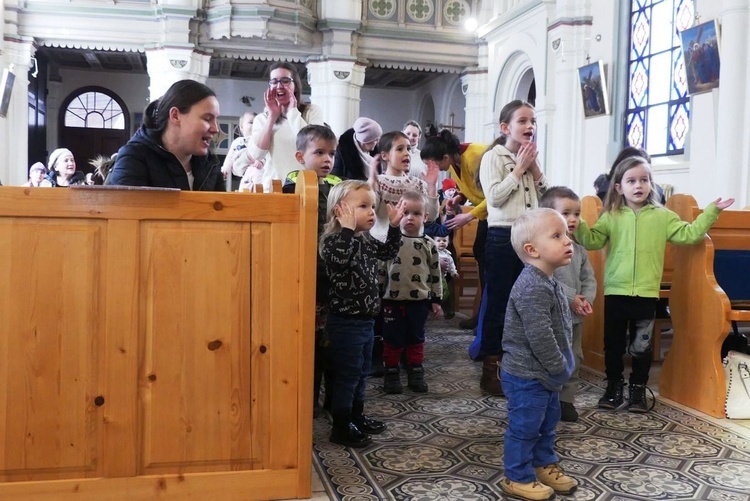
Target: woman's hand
(396,213)
(345,215)
(459,220)
(272,104)
(723,204)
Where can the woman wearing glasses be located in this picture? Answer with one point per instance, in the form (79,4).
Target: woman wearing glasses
(275,130)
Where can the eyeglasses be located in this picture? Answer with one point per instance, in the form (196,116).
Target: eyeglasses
(285,81)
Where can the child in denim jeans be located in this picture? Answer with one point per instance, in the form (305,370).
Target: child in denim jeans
(538,357)
(351,257)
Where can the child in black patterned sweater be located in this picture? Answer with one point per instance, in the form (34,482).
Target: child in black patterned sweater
(413,289)
(351,257)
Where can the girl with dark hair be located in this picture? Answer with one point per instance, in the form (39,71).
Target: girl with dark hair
(275,130)
(171,148)
(513,182)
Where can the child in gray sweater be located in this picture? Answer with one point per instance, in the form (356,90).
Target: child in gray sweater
(538,357)
(579,284)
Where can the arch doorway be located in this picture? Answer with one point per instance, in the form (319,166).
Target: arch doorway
(93,121)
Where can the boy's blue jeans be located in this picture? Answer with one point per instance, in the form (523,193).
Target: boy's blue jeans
(351,340)
(533,413)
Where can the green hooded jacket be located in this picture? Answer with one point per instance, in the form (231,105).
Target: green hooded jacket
(637,242)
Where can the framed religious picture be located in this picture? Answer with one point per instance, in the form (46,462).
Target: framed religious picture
(6,87)
(594,89)
(700,48)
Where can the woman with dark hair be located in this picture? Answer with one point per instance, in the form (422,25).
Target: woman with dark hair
(275,130)
(171,148)
(462,161)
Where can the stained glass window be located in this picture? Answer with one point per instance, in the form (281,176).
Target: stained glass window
(94,110)
(658,110)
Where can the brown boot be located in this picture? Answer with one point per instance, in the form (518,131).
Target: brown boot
(490,382)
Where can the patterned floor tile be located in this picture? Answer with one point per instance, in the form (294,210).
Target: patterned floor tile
(448,444)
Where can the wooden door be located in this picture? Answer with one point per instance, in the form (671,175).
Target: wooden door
(86,144)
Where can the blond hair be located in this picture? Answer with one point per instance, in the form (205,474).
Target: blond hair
(527,226)
(335,196)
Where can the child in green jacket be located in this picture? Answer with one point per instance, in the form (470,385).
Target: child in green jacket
(637,229)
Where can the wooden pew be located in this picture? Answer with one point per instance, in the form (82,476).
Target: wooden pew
(468,270)
(592,339)
(156,344)
(701,311)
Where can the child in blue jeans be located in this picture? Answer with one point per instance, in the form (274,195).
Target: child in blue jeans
(538,357)
(351,257)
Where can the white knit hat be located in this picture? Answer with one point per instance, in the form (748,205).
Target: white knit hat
(55,156)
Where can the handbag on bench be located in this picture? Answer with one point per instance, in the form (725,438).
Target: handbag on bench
(737,372)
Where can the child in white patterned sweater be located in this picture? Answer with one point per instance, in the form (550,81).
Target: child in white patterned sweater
(396,159)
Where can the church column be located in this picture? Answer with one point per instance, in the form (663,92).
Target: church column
(175,57)
(474,85)
(167,65)
(14,138)
(335,87)
(729,177)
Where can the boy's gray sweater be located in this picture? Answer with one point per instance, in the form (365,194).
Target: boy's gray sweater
(537,338)
(577,278)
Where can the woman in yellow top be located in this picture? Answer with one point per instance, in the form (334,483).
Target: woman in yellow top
(462,161)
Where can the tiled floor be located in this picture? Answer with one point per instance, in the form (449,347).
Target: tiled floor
(741,427)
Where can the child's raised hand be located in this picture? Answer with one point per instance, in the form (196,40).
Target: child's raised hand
(396,212)
(431,175)
(723,204)
(345,215)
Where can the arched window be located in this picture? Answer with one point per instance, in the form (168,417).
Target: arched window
(94,110)
(658,109)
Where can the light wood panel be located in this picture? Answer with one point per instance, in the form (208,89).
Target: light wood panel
(592,338)
(701,312)
(156,343)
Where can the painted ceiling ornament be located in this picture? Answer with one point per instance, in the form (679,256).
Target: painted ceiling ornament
(456,11)
(382,9)
(420,11)
(178,63)
(342,75)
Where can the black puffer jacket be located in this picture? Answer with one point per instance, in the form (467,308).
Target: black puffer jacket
(348,163)
(145,162)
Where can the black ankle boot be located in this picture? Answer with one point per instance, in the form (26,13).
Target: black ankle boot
(415,375)
(637,398)
(364,423)
(613,397)
(392,381)
(346,433)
